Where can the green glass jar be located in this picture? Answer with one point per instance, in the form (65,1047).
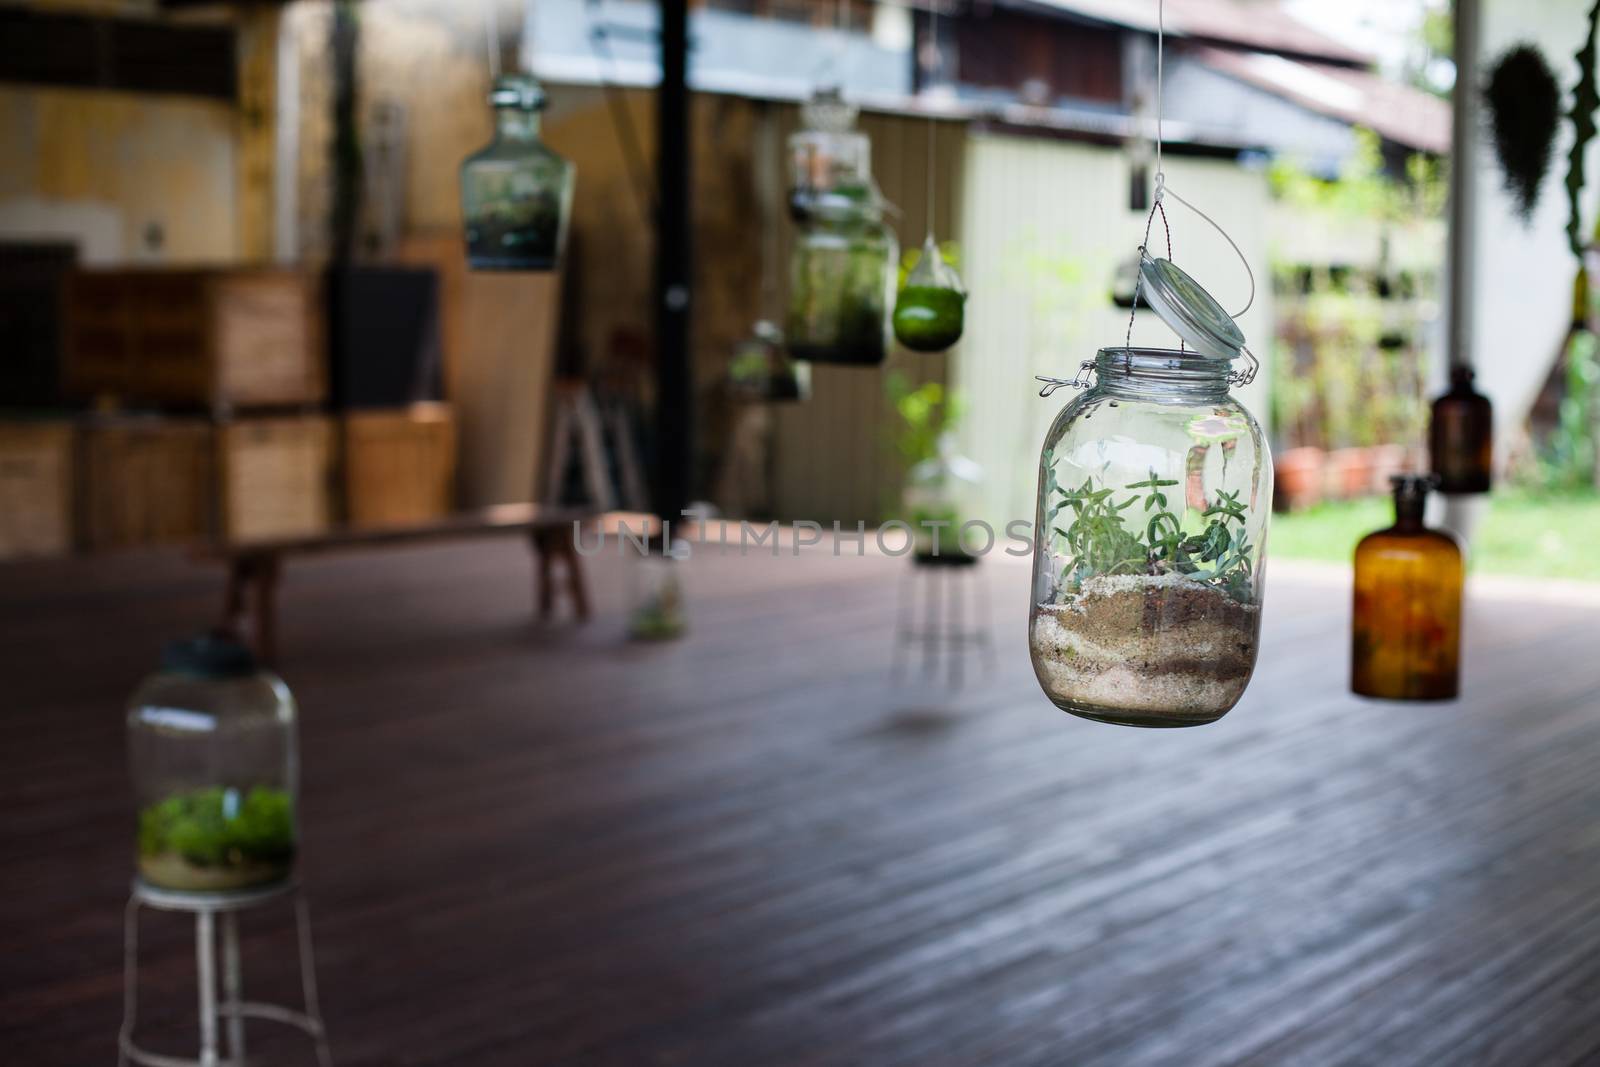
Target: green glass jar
(930,312)
(212,757)
(516,194)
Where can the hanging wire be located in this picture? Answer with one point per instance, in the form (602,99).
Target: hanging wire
(621,114)
(935,65)
(491,40)
(1161,34)
(1161,187)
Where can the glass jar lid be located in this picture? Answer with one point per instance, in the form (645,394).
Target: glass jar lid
(1191,312)
(212,655)
(520,91)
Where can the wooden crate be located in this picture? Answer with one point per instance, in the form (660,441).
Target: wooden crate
(194,339)
(146,481)
(36,488)
(399,466)
(274,477)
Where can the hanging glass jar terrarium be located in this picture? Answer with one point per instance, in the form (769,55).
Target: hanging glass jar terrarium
(842,267)
(1461,436)
(211,749)
(656,607)
(761,370)
(1406,629)
(930,312)
(1155,487)
(516,194)
(941,495)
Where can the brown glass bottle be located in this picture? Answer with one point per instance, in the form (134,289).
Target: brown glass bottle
(1406,633)
(1461,436)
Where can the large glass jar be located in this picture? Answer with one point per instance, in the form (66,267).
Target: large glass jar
(1155,487)
(516,194)
(1406,627)
(211,751)
(844,263)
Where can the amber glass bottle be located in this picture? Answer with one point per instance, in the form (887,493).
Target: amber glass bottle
(1461,436)
(1407,626)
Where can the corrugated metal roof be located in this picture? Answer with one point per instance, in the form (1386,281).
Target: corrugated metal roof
(1258,24)
(1398,112)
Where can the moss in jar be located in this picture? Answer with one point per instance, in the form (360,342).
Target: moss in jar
(858,339)
(928,318)
(1153,621)
(660,617)
(516,235)
(217,838)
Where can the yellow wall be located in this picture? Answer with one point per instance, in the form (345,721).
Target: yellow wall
(103,167)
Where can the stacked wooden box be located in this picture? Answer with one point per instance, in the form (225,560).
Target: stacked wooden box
(399,465)
(37,460)
(200,340)
(233,359)
(231,442)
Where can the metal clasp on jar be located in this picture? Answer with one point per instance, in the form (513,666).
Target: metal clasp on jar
(1083,380)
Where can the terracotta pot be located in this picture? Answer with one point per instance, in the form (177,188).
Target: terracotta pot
(1349,473)
(1297,478)
(1387,461)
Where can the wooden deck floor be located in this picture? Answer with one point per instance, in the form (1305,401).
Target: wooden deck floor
(531,847)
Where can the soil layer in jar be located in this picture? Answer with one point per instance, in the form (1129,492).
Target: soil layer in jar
(1146,650)
(496,242)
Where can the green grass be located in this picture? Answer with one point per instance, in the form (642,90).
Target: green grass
(1535,535)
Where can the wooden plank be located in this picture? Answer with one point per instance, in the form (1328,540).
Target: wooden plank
(501,519)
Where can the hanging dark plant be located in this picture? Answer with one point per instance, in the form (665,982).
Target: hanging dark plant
(1524,104)
(1585,101)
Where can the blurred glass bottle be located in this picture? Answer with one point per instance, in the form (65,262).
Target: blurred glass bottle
(1461,436)
(516,194)
(1406,631)
(842,266)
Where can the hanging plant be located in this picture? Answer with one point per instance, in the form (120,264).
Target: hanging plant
(1524,104)
(1585,101)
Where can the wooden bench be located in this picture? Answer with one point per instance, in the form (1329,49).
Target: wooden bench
(254,567)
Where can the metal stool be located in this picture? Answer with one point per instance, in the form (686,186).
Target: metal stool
(942,578)
(207,908)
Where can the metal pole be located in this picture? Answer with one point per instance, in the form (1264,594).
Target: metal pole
(1462,514)
(1463,184)
(674,372)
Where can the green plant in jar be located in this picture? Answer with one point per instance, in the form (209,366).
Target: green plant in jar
(840,280)
(1210,547)
(218,837)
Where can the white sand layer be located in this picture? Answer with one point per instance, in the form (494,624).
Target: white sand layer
(1131,672)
